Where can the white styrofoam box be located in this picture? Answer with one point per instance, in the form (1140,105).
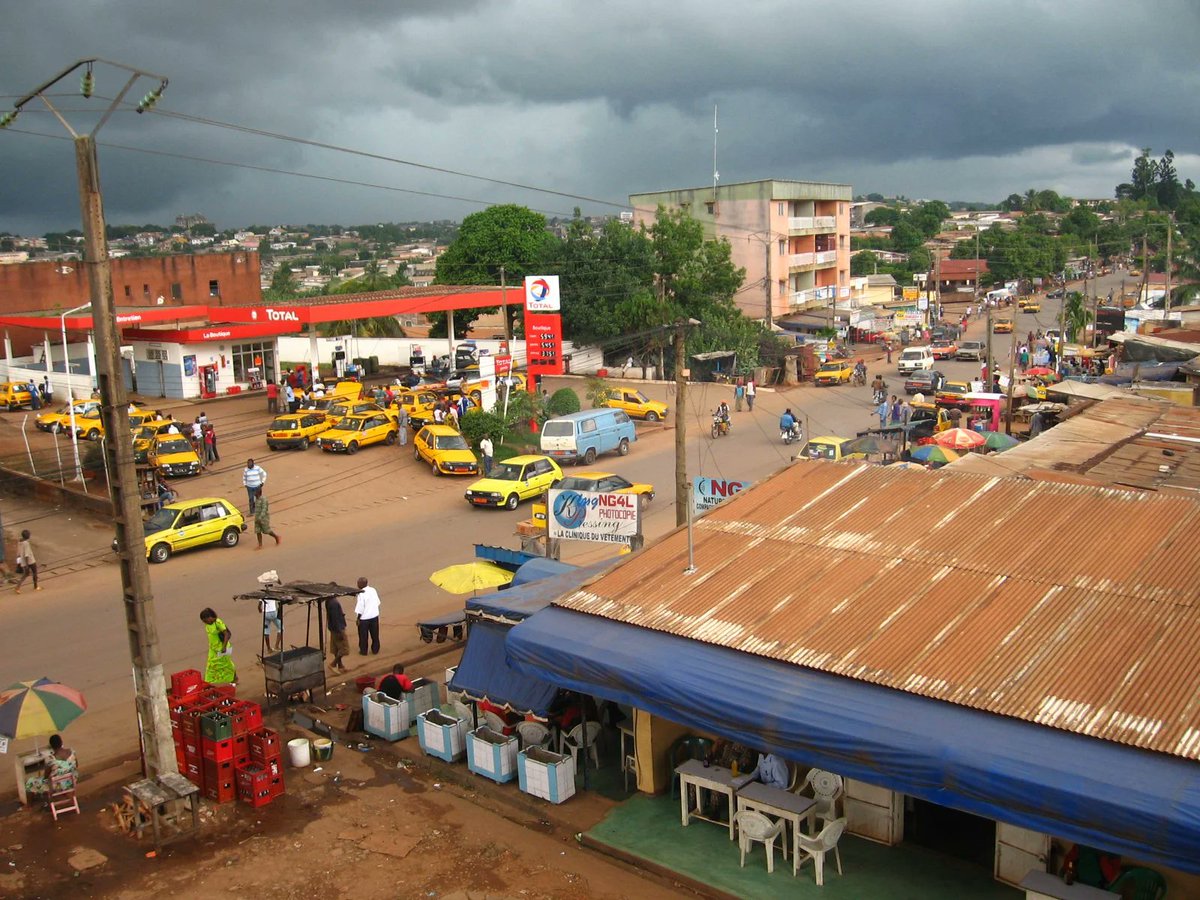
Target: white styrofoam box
(441,735)
(550,776)
(386,718)
(492,755)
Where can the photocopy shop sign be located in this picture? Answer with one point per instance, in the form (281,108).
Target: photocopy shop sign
(589,516)
(709,492)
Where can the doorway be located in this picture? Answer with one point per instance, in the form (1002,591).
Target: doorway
(208,381)
(953,832)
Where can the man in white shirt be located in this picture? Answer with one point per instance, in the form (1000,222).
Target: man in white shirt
(366,613)
(486,449)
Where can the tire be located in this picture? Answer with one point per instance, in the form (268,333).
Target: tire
(716,432)
(652,416)
(512,501)
(436,470)
(272,447)
(589,456)
(416,454)
(56,428)
(477,397)
(306,443)
(352,447)
(623,447)
(390,439)
(644,500)
(94,434)
(160,553)
(13,407)
(231,537)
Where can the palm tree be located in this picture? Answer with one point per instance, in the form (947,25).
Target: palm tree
(1076,315)
(380,326)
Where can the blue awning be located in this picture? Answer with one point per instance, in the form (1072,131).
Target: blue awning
(1107,795)
(514,604)
(540,567)
(484,674)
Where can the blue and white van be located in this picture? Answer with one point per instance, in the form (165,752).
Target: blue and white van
(582,436)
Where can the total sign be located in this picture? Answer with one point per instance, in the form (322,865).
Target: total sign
(709,492)
(590,516)
(541,293)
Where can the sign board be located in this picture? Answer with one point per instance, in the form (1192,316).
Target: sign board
(923,303)
(591,516)
(541,293)
(487,382)
(543,343)
(911,293)
(3,744)
(709,492)
(503,365)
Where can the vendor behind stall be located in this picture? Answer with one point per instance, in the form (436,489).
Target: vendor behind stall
(395,684)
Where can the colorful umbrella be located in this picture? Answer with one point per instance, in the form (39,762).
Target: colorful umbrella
(998,441)
(958,439)
(870,444)
(932,453)
(469,577)
(1039,370)
(32,708)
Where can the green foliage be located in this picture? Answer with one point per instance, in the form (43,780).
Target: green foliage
(596,391)
(380,326)
(477,424)
(562,402)
(884,215)
(283,285)
(1076,315)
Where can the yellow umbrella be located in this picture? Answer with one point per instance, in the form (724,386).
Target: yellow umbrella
(467,578)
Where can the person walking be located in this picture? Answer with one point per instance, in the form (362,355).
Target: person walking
(739,394)
(262,519)
(26,562)
(253,477)
(452,416)
(887,348)
(486,450)
(339,643)
(272,396)
(48,390)
(210,445)
(219,667)
(289,395)
(402,425)
(895,412)
(212,431)
(882,411)
(751,393)
(269,607)
(366,614)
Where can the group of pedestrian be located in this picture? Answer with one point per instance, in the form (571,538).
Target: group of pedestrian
(204,440)
(744,390)
(892,410)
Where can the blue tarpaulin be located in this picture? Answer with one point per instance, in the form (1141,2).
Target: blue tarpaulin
(1103,794)
(514,604)
(484,674)
(539,567)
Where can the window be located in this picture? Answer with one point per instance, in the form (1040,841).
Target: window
(782,247)
(176,291)
(709,206)
(146,291)
(128,291)
(588,425)
(245,356)
(214,288)
(841,242)
(782,208)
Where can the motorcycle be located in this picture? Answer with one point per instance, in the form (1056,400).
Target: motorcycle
(720,425)
(878,397)
(860,377)
(795,433)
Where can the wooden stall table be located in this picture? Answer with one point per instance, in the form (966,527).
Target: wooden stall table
(779,804)
(163,803)
(693,773)
(33,763)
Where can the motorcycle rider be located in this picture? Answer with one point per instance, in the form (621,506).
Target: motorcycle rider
(722,414)
(788,424)
(860,372)
(879,389)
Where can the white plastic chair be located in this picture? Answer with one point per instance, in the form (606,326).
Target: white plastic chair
(580,735)
(534,734)
(826,791)
(816,847)
(754,826)
(62,795)
(493,721)
(461,711)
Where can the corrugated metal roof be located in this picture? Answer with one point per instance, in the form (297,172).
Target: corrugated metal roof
(1070,606)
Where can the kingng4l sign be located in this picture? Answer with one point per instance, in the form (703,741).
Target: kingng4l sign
(591,516)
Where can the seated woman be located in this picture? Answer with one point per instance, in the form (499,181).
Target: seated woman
(61,762)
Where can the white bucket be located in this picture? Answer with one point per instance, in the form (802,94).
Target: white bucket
(298,752)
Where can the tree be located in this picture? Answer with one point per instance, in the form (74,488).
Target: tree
(883,215)
(283,285)
(906,238)
(1076,315)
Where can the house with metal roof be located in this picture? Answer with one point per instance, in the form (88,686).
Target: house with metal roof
(1020,652)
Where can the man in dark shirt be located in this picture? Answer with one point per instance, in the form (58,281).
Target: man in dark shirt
(339,643)
(397,684)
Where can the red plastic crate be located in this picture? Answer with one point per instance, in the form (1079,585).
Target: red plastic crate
(241,749)
(277,785)
(181,759)
(189,724)
(217,751)
(262,798)
(219,782)
(223,690)
(246,717)
(264,745)
(186,683)
(193,770)
(193,746)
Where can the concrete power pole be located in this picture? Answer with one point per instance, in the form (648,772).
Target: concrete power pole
(683,496)
(150,691)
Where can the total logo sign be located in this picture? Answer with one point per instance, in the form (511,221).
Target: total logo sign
(541,293)
(276,315)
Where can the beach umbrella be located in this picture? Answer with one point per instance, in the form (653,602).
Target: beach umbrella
(998,441)
(32,708)
(467,578)
(932,453)
(958,439)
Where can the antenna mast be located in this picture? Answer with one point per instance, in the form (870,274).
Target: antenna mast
(716,174)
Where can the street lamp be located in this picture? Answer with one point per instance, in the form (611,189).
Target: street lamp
(150,689)
(70,393)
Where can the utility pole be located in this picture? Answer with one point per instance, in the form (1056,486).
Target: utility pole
(770,305)
(1143,296)
(683,494)
(150,690)
(1167,298)
(988,351)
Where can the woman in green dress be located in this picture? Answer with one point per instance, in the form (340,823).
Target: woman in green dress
(61,763)
(219,668)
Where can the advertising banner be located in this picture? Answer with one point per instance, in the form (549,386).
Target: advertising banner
(543,343)
(590,516)
(709,492)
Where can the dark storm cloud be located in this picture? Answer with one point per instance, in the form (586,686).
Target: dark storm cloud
(963,101)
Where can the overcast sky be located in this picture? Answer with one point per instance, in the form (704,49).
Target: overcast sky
(598,98)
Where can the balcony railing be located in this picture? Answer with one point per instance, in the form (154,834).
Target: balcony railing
(821,295)
(802,259)
(826,257)
(806,223)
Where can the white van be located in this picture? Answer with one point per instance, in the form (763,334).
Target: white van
(580,437)
(915,359)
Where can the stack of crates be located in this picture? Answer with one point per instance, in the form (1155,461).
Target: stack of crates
(260,779)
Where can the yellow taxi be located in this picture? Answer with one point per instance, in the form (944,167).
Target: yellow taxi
(446,451)
(340,392)
(634,403)
(828,447)
(834,372)
(60,419)
(173,456)
(144,435)
(952,393)
(417,402)
(1032,307)
(1002,326)
(359,430)
(342,408)
(15,394)
(191,523)
(91,426)
(517,478)
(608,483)
(296,430)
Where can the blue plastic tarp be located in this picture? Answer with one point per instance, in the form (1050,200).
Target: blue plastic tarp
(517,603)
(539,567)
(1133,802)
(484,674)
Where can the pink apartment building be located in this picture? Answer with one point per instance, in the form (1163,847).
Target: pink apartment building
(791,237)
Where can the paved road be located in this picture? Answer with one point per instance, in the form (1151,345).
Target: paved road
(376,514)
